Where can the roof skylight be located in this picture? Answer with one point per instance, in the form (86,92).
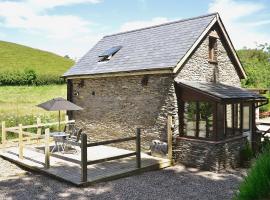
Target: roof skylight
(107,55)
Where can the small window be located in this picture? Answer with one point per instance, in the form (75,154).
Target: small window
(229,119)
(109,53)
(246,118)
(212,49)
(233,120)
(205,120)
(145,80)
(190,117)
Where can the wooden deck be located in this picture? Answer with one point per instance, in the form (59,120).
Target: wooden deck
(71,172)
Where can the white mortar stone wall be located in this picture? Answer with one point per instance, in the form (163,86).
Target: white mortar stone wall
(116,106)
(198,67)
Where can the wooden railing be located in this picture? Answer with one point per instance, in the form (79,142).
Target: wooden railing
(83,144)
(21,132)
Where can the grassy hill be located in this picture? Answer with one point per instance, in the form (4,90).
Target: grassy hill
(17,60)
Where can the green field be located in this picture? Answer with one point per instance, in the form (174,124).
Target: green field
(19,57)
(19,65)
(18,103)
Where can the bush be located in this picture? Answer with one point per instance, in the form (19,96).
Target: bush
(28,77)
(49,79)
(246,155)
(257,183)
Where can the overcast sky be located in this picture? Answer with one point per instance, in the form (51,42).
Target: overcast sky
(71,27)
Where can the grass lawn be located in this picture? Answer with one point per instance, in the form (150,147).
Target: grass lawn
(22,100)
(18,103)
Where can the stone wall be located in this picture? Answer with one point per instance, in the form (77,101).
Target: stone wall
(198,67)
(115,106)
(209,155)
(198,153)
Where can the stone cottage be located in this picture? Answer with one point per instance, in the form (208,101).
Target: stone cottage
(188,69)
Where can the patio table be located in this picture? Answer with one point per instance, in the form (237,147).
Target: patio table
(59,139)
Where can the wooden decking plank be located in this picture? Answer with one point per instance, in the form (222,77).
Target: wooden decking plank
(70,172)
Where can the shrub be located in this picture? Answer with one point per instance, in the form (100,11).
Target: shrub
(257,183)
(49,79)
(28,77)
(246,155)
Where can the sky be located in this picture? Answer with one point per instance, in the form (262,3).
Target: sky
(72,27)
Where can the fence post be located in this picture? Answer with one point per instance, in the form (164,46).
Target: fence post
(4,133)
(83,157)
(47,148)
(169,137)
(20,141)
(66,122)
(138,147)
(38,129)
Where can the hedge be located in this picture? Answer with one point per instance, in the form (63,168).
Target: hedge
(28,77)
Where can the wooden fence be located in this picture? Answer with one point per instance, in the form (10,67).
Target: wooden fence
(84,144)
(26,137)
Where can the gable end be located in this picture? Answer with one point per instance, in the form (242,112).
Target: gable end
(225,40)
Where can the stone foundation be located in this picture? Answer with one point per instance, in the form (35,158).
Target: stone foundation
(209,155)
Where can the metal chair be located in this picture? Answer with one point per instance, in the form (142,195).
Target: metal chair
(73,138)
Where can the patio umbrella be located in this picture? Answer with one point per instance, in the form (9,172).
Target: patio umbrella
(58,104)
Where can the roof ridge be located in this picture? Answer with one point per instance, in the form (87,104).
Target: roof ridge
(163,24)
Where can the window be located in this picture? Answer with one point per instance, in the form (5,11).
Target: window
(246,118)
(144,81)
(212,49)
(109,53)
(205,120)
(233,119)
(198,119)
(229,120)
(190,117)
(237,119)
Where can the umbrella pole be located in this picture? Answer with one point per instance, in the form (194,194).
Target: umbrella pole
(59,116)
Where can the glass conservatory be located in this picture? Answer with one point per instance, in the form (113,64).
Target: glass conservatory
(215,112)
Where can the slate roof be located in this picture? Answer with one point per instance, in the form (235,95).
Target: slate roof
(222,92)
(156,47)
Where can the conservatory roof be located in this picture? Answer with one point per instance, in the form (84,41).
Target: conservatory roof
(222,92)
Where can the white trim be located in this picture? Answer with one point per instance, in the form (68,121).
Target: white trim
(181,62)
(231,47)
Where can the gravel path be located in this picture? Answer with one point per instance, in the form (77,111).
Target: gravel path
(175,182)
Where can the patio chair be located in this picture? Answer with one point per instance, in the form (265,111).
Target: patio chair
(69,128)
(74,137)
